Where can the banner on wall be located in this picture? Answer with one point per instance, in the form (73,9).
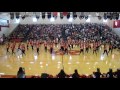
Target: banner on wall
(116,24)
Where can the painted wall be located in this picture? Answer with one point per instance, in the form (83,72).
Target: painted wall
(29,20)
(6,30)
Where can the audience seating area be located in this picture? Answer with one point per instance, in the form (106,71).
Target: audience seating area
(90,31)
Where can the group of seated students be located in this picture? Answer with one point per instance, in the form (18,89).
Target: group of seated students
(84,30)
(62,74)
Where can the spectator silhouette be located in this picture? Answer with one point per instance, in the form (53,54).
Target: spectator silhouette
(61,74)
(44,75)
(21,73)
(117,73)
(98,73)
(75,74)
(110,73)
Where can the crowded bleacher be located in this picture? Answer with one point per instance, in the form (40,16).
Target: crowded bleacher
(87,31)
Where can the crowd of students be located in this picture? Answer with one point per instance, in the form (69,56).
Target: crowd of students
(90,31)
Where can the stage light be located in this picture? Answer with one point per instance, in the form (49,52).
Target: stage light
(52,19)
(34,19)
(70,19)
(17,20)
(104,20)
(88,20)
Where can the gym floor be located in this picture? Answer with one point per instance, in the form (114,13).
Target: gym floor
(52,63)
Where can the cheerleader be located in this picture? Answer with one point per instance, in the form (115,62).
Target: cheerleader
(27,44)
(82,48)
(110,48)
(19,46)
(105,49)
(31,43)
(13,48)
(62,46)
(94,48)
(51,48)
(66,48)
(87,47)
(37,47)
(56,42)
(45,46)
(23,49)
(7,47)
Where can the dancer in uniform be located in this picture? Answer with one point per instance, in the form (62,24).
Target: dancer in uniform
(51,48)
(13,48)
(31,43)
(94,48)
(45,46)
(37,46)
(87,46)
(27,44)
(105,49)
(110,48)
(23,49)
(7,47)
(66,48)
(81,47)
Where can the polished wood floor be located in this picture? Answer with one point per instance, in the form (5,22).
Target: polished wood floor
(45,62)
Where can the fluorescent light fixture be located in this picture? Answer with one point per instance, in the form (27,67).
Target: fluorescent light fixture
(104,20)
(34,19)
(70,19)
(88,20)
(52,19)
(17,20)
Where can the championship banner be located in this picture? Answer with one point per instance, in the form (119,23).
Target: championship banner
(116,24)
